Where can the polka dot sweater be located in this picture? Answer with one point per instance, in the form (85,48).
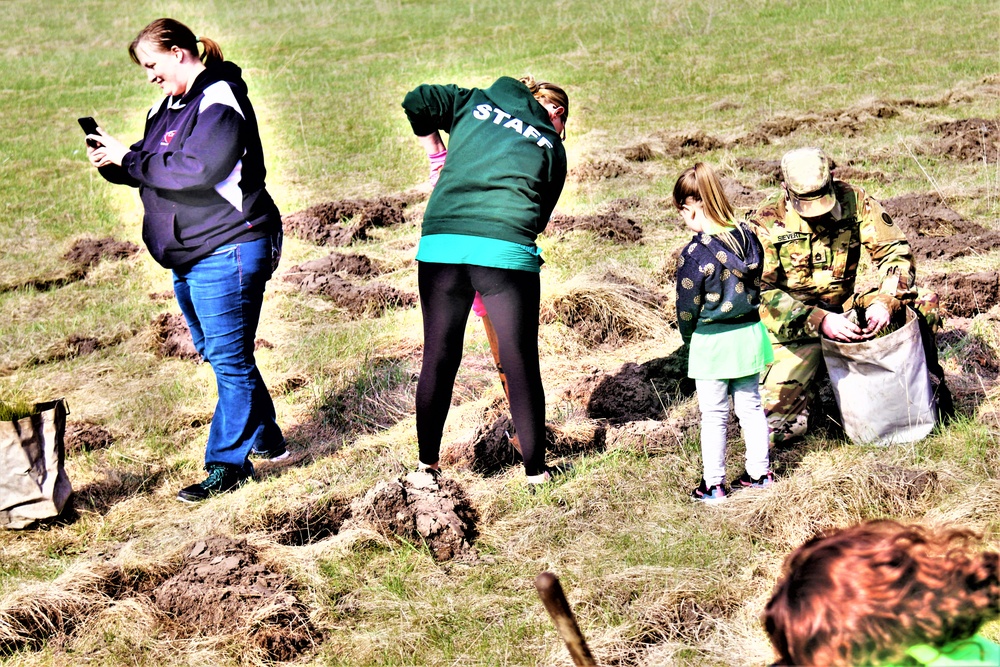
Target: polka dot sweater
(717,285)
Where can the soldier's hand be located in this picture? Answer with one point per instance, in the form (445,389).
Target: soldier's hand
(878,316)
(837,327)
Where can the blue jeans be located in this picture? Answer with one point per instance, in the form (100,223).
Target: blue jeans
(221,296)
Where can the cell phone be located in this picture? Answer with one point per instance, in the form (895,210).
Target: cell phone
(89,126)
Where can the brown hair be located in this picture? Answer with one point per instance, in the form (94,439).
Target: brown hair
(165,34)
(867,593)
(548,92)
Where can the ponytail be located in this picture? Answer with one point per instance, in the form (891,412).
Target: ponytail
(165,34)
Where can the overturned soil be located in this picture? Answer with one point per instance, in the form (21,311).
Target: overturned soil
(173,338)
(421,510)
(769,169)
(322,277)
(640,152)
(935,231)
(342,222)
(310,522)
(86,253)
(83,436)
(969,140)
(685,145)
(965,295)
(633,392)
(221,589)
(740,195)
(600,169)
(353,265)
(491,450)
(611,225)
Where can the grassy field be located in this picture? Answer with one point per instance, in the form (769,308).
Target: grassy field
(654,580)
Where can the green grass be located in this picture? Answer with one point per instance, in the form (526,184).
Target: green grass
(327,79)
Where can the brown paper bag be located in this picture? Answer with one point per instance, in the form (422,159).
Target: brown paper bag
(33,480)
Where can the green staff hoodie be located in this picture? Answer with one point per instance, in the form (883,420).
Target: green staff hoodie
(506,164)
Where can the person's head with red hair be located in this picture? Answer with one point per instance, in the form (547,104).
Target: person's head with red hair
(865,594)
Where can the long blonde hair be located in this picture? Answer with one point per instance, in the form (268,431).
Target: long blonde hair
(701,183)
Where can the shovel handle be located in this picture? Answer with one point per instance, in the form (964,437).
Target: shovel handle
(551,593)
(491,336)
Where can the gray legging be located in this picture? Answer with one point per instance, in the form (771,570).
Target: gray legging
(511,298)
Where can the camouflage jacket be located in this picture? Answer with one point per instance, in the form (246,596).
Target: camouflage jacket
(810,271)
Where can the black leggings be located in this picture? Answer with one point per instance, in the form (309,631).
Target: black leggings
(511,298)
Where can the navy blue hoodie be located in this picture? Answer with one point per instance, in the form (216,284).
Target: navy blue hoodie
(200,171)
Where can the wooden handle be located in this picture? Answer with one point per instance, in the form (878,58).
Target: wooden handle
(491,336)
(551,593)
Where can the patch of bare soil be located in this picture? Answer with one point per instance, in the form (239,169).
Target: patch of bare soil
(685,145)
(161,297)
(84,436)
(421,509)
(86,253)
(342,222)
(848,122)
(965,295)
(221,589)
(340,263)
(770,169)
(173,338)
(739,195)
(969,140)
(322,277)
(490,449)
(599,169)
(936,231)
(640,152)
(972,365)
(634,392)
(609,225)
(612,310)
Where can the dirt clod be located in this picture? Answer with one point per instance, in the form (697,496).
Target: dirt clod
(599,169)
(367,300)
(969,140)
(173,337)
(935,231)
(342,222)
(83,436)
(606,225)
(222,589)
(422,510)
(87,252)
(965,295)
(685,145)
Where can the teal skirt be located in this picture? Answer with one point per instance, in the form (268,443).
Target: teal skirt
(722,352)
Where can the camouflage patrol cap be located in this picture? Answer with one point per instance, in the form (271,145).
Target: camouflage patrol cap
(806,172)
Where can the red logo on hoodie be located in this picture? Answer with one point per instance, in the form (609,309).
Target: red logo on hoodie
(168,137)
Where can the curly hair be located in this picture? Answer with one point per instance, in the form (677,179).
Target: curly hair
(865,594)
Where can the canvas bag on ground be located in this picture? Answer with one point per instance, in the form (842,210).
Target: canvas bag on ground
(33,480)
(882,386)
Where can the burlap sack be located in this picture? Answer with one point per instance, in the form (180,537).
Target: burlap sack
(33,480)
(882,386)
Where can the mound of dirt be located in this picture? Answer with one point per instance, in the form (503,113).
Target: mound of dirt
(86,252)
(640,152)
(936,231)
(740,195)
(422,510)
(969,140)
(78,346)
(606,225)
(965,295)
(340,223)
(770,169)
(83,436)
(684,145)
(221,589)
(596,169)
(845,122)
(367,300)
(851,173)
(354,265)
(634,392)
(173,337)
(160,297)
(490,450)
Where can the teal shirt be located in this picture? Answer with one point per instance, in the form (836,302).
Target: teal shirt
(479,251)
(975,651)
(724,351)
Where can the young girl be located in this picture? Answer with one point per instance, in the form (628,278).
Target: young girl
(882,593)
(718,293)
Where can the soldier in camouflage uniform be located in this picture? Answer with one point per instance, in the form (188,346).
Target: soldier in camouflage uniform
(812,233)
